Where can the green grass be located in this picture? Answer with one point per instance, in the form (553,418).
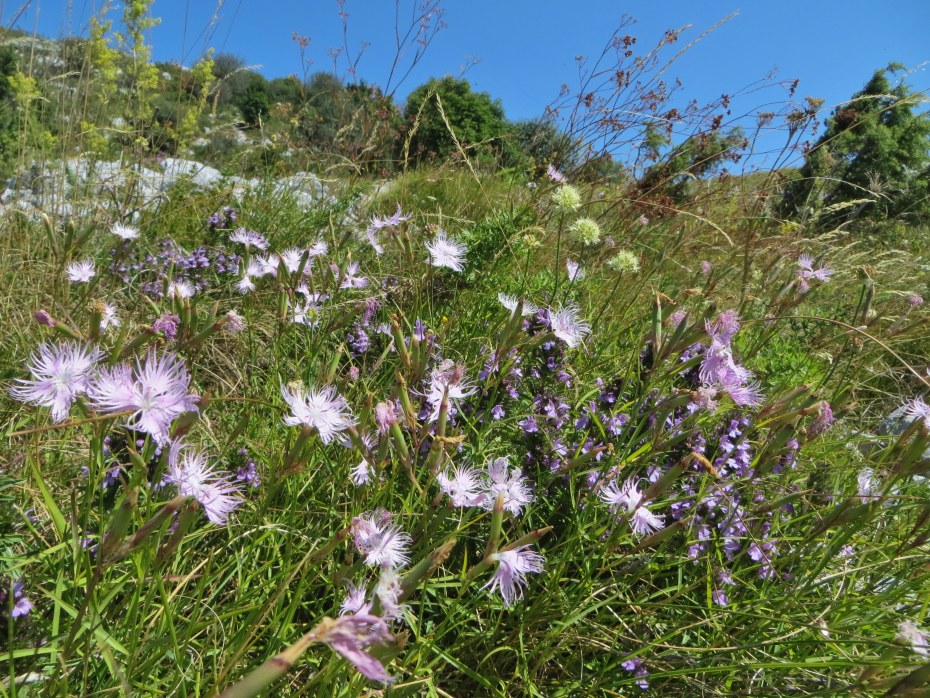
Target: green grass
(219,600)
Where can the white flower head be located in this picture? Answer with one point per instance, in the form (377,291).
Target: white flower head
(81,272)
(126,232)
(321,409)
(568,326)
(194,477)
(383,543)
(511,303)
(508,483)
(510,576)
(463,485)
(180,289)
(446,252)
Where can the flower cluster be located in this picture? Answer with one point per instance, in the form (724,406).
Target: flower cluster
(195,269)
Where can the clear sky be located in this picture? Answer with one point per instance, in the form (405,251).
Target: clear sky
(527,49)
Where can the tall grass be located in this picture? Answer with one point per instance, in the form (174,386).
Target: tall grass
(697,538)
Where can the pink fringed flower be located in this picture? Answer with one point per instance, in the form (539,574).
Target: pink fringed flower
(513,566)
(60,373)
(156,391)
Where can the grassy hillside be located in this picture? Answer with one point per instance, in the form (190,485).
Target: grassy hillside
(465,430)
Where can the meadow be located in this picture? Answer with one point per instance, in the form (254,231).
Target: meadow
(463,430)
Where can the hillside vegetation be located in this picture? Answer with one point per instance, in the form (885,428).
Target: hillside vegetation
(305,393)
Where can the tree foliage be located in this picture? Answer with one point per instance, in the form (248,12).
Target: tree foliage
(476,119)
(871,162)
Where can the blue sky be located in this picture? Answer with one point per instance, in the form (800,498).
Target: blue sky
(527,49)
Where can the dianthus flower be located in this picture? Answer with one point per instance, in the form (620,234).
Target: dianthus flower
(568,326)
(511,303)
(321,409)
(249,238)
(507,483)
(383,543)
(60,373)
(447,380)
(463,485)
(387,222)
(81,272)
(352,279)
(126,232)
(554,175)
(350,635)
(642,520)
(575,272)
(446,252)
(156,391)
(194,477)
(510,576)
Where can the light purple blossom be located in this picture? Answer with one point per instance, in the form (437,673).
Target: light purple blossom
(807,272)
(321,409)
(167,324)
(81,272)
(195,477)
(377,224)
(60,373)
(463,485)
(568,326)
(513,566)
(575,272)
(351,278)
(446,252)
(354,601)
(554,175)
(719,370)
(822,421)
(249,238)
(642,520)
(266,265)
(385,416)
(383,543)
(508,483)
(447,380)
(350,635)
(156,391)
(21,603)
